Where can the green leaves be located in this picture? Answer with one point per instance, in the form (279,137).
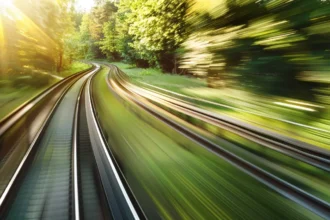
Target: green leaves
(157,25)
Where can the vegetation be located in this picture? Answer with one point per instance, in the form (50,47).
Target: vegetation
(271,46)
(259,56)
(36,48)
(33,36)
(266,60)
(274,48)
(268,45)
(172,177)
(75,67)
(244,105)
(20,89)
(272,161)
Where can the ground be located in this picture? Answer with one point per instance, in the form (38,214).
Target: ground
(303,120)
(12,97)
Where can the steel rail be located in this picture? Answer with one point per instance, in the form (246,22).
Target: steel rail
(25,159)
(293,145)
(299,150)
(20,111)
(122,202)
(31,147)
(75,156)
(316,205)
(302,154)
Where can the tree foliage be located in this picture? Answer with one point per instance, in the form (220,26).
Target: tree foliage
(266,45)
(34,37)
(158,29)
(143,32)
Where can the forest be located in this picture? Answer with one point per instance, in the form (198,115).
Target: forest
(164,109)
(275,47)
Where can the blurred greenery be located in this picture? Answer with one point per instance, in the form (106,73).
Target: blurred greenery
(272,47)
(269,47)
(256,109)
(36,48)
(11,98)
(33,36)
(74,68)
(307,177)
(18,89)
(183,180)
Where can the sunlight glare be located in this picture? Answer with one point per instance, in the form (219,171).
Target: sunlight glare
(84,5)
(4,4)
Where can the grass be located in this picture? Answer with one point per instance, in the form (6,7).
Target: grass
(174,177)
(255,109)
(12,96)
(156,77)
(309,178)
(74,68)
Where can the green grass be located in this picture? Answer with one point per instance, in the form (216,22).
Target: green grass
(175,177)
(156,77)
(309,178)
(243,100)
(74,68)
(12,96)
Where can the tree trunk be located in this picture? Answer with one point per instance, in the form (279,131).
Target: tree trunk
(175,65)
(60,63)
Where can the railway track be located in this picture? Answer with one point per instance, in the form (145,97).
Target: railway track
(19,130)
(117,82)
(299,150)
(59,176)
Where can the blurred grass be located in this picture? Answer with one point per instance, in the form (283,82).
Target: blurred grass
(183,180)
(16,91)
(156,77)
(11,98)
(74,68)
(246,101)
(309,178)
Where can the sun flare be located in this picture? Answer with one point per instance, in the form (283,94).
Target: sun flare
(5,3)
(4,6)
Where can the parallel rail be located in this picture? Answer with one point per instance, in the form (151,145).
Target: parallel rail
(17,113)
(20,129)
(308,154)
(121,203)
(296,149)
(26,160)
(318,206)
(121,200)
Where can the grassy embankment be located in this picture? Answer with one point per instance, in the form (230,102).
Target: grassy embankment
(13,93)
(181,179)
(260,110)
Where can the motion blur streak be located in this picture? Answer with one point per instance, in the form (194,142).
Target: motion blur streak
(294,106)
(179,178)
(2,47)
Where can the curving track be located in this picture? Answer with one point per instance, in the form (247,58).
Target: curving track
(60,167)
(58,176)
(150,101)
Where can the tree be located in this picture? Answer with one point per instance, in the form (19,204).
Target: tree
(157,29)
(108,43)
(124,40)
(265,45)
(99,17)
(85,42)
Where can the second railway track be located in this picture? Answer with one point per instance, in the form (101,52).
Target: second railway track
(117,83)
